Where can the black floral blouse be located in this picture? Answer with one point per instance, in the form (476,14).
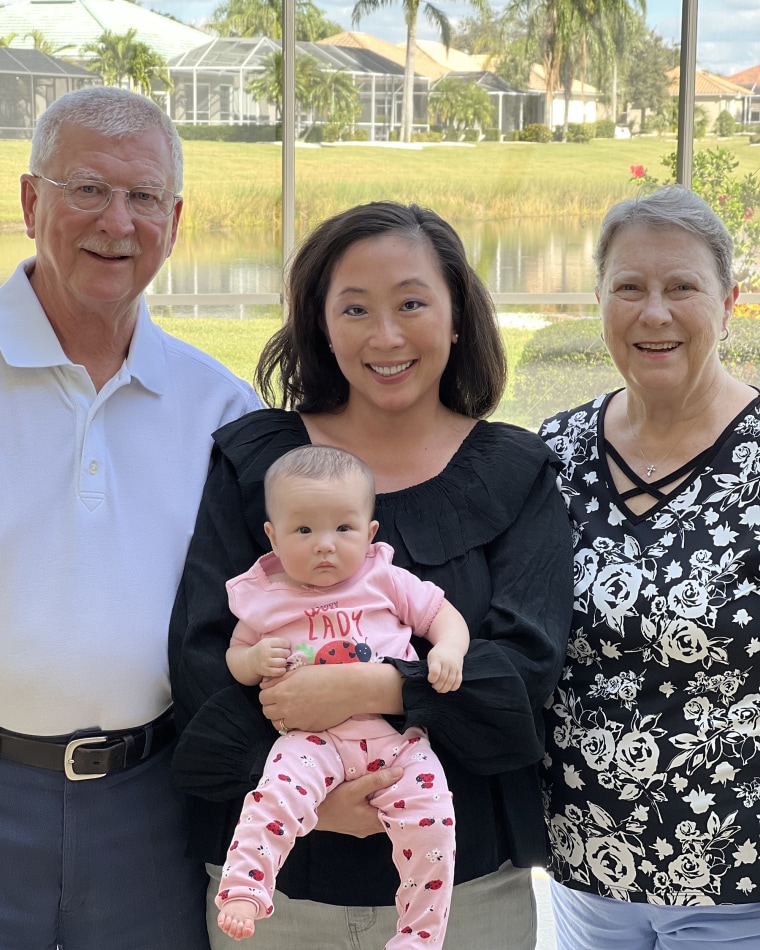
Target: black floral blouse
(653,733)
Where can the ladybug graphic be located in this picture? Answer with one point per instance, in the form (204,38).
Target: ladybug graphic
(257,796)
(448,822)
(375,764)
(233,846)
(223,895)
(407,930)
(414,739)
(316,740)
(277,757)
(275,827)
(426,822)
(364,652)
(426,779)
(329,779)
(338,651)
(286,778)
(433,885)
(424,934)
(407,853)
(400,804)
(256,874)
(363,745)
(301,790)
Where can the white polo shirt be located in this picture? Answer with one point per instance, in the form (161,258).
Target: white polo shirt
(98,498)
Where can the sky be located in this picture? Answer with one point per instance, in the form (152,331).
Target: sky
(728,36)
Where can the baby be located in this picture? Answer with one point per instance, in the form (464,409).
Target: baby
(327,594)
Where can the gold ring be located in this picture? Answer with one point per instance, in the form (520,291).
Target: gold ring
(282,728)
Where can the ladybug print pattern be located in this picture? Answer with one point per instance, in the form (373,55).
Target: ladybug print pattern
(416,813)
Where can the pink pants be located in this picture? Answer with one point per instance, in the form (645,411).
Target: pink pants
(416,812)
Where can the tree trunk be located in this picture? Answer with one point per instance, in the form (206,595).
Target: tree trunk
(407,101)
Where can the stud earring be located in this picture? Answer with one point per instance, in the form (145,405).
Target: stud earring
(330,347)
(455,338)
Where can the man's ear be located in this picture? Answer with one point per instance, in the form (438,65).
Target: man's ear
(29,185)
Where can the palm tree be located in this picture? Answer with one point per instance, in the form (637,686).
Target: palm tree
(268,85)
(443,101)
(145,66)
(334,97)
(7,39)
(264,18)
(113,53)
(43,44)
(120,56)
(475,108)
(436,18)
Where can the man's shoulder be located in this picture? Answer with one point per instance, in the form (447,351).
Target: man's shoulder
(190,363)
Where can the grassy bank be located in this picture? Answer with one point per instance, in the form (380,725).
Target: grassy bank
(236,186)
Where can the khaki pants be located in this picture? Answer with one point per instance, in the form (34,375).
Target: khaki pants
(495,912)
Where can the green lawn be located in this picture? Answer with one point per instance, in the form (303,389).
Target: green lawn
(236,186)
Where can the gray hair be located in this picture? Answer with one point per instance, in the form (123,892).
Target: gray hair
(319,463)
(671,206)
(111,112)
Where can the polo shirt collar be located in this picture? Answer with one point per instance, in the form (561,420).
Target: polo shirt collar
(28,340)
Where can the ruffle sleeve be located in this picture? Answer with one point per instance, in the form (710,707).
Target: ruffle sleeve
(492,531)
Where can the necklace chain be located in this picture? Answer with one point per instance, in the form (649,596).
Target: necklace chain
(652,467)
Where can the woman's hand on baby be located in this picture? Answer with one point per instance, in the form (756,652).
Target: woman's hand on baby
(348,810)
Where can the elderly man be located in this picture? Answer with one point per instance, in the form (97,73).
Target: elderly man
(105,445)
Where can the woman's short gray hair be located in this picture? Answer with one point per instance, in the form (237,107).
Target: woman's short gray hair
(111,112)
(671,206)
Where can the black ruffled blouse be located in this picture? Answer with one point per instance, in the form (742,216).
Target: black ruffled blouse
(491,530)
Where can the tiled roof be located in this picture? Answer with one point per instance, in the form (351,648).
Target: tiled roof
(748,77)
(537,82)
(706,84)
(423,64)
(453,59)
(73,23)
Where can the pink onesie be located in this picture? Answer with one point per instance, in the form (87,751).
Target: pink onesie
(363,619)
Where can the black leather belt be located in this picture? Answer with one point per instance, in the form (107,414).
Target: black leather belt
(85,757)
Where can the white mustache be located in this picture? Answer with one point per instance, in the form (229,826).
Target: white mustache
(125,247)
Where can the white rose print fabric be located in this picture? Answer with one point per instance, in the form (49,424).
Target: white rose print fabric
(653,732)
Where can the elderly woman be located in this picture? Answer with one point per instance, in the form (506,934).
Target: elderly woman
(653,739)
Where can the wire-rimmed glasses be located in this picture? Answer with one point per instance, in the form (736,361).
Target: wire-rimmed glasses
(92,196)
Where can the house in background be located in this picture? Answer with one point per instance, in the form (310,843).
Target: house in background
(29,82)
(513,108)
(71,24)
(715,94)
(584,104)
(749,79)
(210,83)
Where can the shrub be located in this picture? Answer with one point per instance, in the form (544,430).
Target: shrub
(725,124)
(536,132)
(429,136)
(472,135)
(491,135)
(230,133)
(580,132)
(512,136)
(604,129)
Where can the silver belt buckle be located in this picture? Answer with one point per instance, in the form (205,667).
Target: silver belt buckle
(68,759)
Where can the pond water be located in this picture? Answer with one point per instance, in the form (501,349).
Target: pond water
(518,256)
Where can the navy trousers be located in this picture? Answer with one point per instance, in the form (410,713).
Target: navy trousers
(97,865)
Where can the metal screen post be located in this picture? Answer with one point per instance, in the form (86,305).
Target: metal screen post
(687,92)
(288,134)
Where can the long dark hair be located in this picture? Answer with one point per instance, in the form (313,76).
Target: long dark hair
(297,369)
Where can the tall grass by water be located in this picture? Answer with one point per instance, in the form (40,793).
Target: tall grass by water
(236,186)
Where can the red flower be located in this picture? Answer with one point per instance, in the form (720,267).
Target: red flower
(748,212)
(638,171)
(722,199)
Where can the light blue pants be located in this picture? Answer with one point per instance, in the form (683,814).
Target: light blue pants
(495,912)
(589,922)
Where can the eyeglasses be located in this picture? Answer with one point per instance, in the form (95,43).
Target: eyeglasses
(85,194)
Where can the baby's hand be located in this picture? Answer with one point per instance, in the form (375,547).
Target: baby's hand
(269,657)
(445,668)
